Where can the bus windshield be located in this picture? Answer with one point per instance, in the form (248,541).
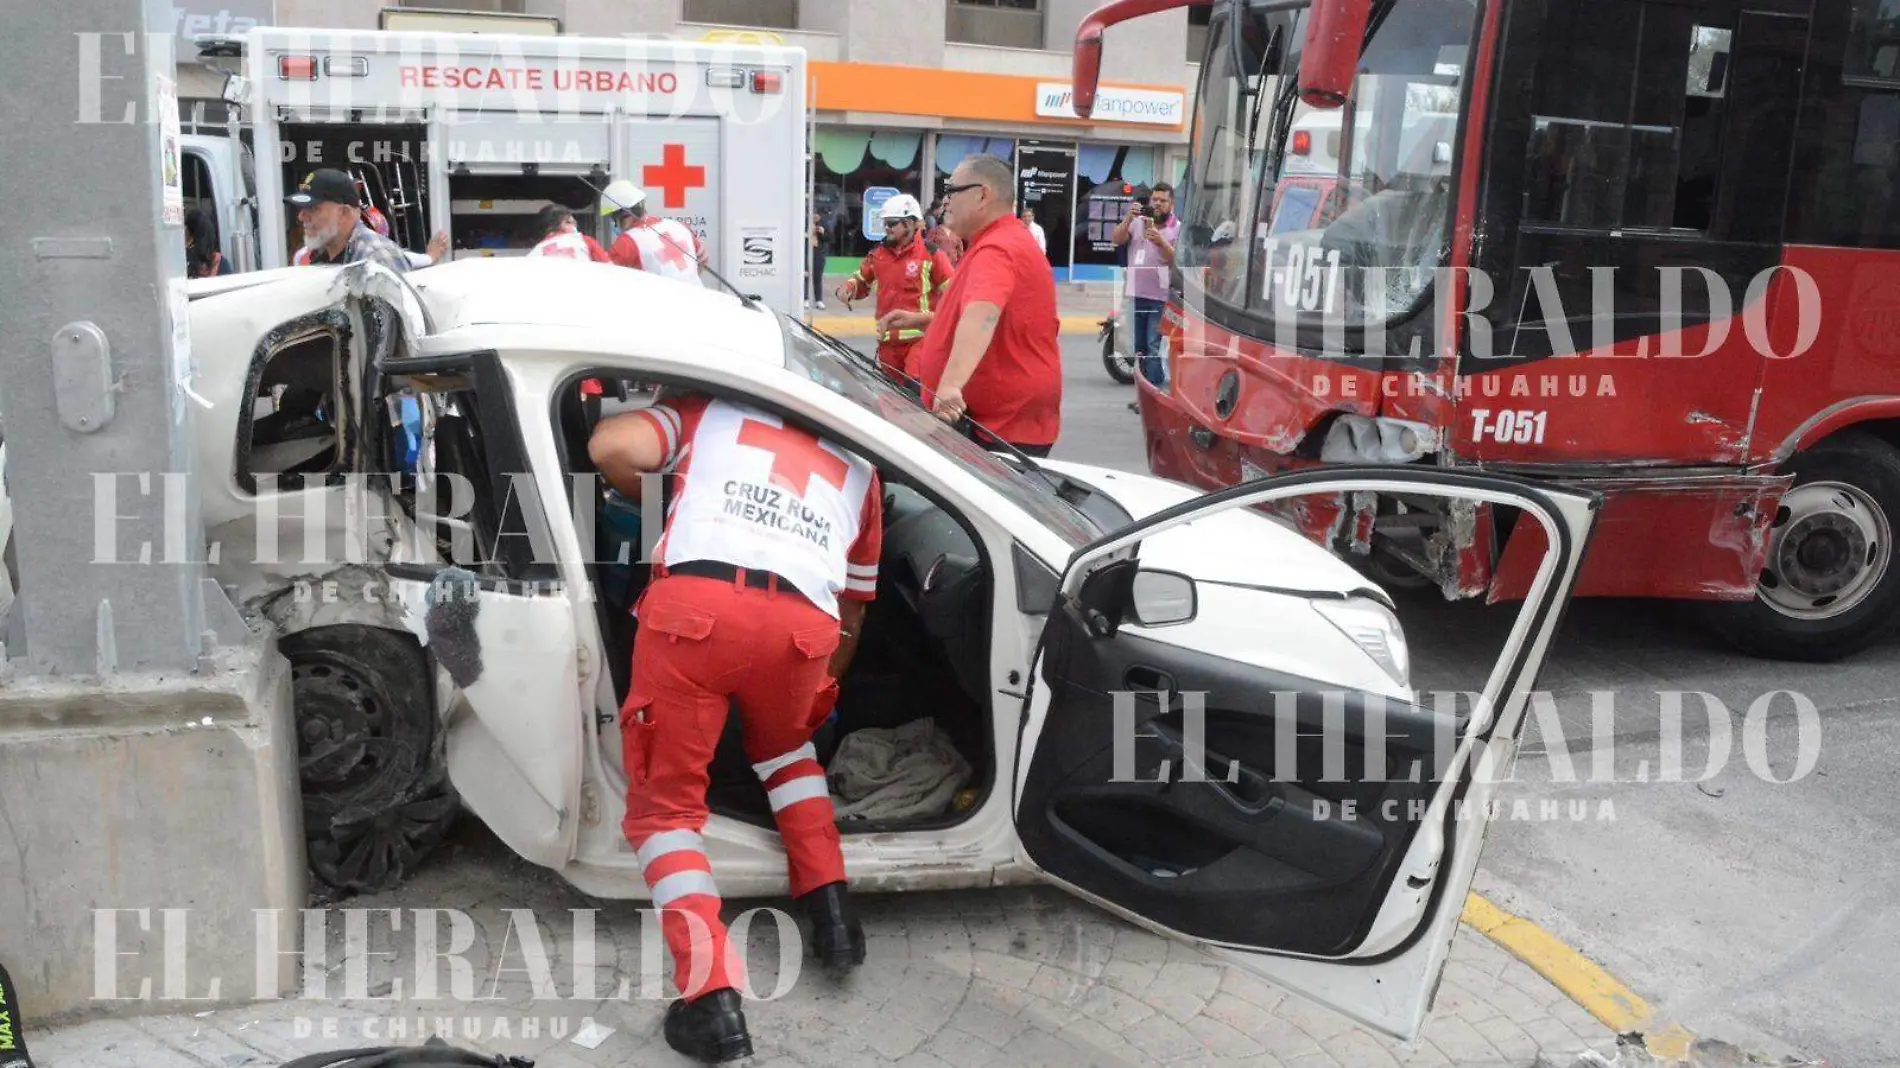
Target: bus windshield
(1325,215)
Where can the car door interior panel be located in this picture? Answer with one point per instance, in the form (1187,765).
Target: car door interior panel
(1273,819)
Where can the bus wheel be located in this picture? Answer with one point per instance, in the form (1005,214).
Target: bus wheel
(1829,586)
(376,800)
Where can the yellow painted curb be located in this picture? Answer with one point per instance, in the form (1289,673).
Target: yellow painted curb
(863,326)
(1618,1007)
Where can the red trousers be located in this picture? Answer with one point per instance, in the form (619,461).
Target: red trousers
(892,354)
(701,643)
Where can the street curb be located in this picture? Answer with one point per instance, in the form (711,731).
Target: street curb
(857,326)
(1582,980)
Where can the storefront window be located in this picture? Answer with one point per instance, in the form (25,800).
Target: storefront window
(952,149)
(850,162)
(1108,178)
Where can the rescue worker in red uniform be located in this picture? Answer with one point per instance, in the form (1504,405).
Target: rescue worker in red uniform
(561,239)
(907,275)
(761,577)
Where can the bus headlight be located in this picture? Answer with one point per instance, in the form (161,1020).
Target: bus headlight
(1375,630)
(1364,439)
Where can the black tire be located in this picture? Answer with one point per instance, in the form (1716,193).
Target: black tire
(1120,368)
(376,797)
(1869,470)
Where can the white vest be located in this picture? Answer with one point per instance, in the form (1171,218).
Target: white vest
(764,498)
(572,246)
(669,260)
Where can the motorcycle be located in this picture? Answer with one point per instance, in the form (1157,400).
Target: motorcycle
(1120,368)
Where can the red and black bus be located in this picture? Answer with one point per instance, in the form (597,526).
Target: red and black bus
(1651,247)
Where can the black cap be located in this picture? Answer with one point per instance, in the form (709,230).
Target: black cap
(328,184)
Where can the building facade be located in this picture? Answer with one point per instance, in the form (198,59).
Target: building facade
(900,91)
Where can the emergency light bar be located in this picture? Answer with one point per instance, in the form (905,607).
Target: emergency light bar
(1302,142)
(759,81)
(297,68)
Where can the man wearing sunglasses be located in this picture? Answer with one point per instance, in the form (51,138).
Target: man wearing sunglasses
(990,351)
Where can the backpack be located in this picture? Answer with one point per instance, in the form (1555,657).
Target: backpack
(13,1052)
(434,1053)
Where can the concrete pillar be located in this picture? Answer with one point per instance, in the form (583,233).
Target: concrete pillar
(147,760)
(90,279)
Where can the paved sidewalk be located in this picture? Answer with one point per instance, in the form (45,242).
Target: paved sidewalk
(1082,308)
(969,979)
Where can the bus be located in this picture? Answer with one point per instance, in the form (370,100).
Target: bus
(1648,247)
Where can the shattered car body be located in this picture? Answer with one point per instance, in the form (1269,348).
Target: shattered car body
(395,480)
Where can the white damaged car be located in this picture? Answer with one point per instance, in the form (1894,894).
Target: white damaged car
(1046,618)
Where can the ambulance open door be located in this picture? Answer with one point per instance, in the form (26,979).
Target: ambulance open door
(502,169)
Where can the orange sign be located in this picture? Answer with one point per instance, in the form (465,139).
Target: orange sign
(949,94)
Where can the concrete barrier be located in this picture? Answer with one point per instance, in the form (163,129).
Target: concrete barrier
(175,798)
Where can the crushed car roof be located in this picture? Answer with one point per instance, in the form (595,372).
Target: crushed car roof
(623,306)
(519,291)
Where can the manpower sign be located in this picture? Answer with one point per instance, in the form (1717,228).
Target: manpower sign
(1152,107)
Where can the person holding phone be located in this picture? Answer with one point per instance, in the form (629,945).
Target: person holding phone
(1150,231)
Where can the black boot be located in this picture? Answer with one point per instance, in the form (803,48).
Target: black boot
(710,1028)
(837,939)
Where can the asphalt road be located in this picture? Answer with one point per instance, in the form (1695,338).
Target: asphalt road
(1756,911)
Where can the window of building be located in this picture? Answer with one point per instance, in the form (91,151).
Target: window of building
(998,23)
(1198,17)
(486,7)
(769,14)
(1108,179)
(848,164)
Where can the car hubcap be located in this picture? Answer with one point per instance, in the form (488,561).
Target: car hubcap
(342,726)
(1830,550)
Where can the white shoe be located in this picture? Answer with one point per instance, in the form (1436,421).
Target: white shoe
(821,304)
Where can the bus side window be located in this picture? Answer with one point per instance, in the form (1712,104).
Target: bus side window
(1847,153)
(1618,140)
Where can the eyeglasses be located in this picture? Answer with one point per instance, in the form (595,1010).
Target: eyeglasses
(952,190)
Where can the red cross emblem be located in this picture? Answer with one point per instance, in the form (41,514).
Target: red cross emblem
(673,176)
(796,456)
(671,253)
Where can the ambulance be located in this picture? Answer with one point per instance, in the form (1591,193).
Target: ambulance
(473,134)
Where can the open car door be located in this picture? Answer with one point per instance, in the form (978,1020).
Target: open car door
(482,592)
(1317,831)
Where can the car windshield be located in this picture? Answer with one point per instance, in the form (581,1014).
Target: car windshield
(1300,212)
(857,380)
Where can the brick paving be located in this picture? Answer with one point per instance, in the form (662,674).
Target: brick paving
(972,979)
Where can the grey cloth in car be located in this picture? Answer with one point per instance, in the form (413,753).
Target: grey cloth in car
(906,772)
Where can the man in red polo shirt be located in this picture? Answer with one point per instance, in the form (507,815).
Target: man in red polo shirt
(990,349)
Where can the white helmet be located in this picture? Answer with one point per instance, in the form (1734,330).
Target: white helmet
(902,206)
(621,195)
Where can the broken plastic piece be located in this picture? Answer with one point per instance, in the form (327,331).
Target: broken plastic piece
(591,1035)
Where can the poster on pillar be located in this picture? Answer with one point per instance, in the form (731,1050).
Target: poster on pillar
(1045,183)
(677,164)
(171,163)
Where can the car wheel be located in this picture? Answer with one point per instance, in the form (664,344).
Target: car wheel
(376,800)
(1829,587)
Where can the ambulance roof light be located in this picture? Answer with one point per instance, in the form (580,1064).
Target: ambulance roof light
(766,81)
(297,68)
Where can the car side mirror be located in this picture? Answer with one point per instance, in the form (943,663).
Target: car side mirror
(1161,598)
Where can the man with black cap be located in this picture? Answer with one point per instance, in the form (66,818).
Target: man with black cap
(331,215)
